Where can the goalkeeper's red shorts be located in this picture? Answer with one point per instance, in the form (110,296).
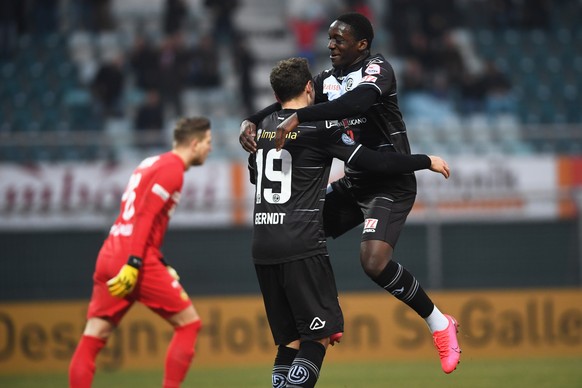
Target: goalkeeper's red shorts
(156,289)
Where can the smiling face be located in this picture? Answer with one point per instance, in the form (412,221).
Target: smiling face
(344,48)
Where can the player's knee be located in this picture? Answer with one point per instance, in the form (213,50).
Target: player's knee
(371,266)
(374,263)
(374,257)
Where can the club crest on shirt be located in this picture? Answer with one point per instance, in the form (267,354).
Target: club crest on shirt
(347,140)
(349,84)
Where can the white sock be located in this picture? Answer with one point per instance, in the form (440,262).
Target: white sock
(436,321)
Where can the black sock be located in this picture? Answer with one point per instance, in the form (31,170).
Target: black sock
(283,361)
(305,369)
(399,282)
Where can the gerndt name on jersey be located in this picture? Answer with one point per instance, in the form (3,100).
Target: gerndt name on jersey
(269,218)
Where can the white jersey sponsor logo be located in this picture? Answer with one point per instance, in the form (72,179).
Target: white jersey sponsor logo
(369,78)
(333,88)
(372,69)
(121,230)
(317,324)
(351,122)
(370,225)
(158,190)
(328,87)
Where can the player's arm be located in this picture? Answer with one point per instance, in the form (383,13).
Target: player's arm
(349,104)
(343,147)
(248,128)
(252,169)
(396,163)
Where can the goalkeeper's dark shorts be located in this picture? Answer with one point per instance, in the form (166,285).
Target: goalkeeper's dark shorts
(301,299)
(156,289)
(382,213)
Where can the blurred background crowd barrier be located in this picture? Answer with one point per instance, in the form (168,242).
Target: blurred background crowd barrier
(106,79)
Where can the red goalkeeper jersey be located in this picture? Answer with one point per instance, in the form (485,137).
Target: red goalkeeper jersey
(149,200)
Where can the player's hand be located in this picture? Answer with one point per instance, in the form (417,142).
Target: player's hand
(173,272)
(288,125)
(438,164)
(124,282)
(246,138)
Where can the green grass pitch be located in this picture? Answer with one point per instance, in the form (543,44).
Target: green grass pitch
(513,373)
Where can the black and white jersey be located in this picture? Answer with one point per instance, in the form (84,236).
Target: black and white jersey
(290,187)
(381,127)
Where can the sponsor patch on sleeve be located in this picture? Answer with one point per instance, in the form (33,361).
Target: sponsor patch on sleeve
(369,78)
(158,190)
(372,69)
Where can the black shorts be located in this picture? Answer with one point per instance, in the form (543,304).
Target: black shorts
(301,299)
(382,215)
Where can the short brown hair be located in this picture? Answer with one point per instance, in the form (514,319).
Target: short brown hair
(189,127)
(289,77)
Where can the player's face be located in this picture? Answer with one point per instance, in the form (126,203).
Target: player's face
(343,47)
(202,149)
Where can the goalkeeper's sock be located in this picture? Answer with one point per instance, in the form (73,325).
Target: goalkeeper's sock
(283,361)
(180,354)
(399,282)
(82,367)
(304,371)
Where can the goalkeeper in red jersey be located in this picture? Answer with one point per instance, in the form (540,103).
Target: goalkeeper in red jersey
(130,266)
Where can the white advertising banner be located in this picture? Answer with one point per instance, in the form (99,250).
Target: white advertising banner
(218,193)
(88,195)
(488,188)
(496,188)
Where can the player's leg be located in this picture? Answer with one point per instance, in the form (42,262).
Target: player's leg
(103,315)
(163,294)
(281,321)
(181,350)
(384,221)
(341,212)
(306,367)
(317,313)
(283,360)
(82,366)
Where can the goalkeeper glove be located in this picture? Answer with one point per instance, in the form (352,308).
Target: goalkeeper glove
(124,282)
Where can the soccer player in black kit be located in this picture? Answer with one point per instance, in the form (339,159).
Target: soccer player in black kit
(289,244)
(360,91)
